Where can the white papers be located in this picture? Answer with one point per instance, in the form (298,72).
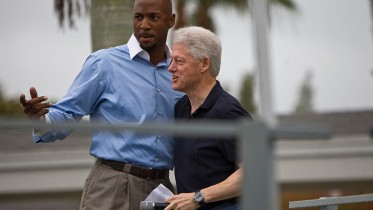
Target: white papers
(159,194)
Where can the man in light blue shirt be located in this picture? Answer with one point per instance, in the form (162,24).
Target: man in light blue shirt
(124,84)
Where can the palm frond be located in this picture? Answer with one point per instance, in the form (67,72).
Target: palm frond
(70,10)
(288,4)
(239,5)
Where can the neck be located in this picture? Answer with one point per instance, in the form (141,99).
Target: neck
(199,94)
(157,55)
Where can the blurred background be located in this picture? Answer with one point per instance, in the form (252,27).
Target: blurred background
(321,63)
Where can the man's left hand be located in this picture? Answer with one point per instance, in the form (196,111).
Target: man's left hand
(183,201)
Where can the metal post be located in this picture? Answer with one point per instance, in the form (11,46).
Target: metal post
(260,14)
(259,187)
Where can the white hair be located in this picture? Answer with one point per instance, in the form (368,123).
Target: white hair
(200,43)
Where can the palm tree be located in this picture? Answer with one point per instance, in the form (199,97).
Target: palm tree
(70,8)
(201,16)
(247,93)
(305,98)
(111,20)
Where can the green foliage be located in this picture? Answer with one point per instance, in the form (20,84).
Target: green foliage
(10,107)
(247,93)
(289,4)
(305,101)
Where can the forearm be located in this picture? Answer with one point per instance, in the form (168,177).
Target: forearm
(45,135)
(229,188)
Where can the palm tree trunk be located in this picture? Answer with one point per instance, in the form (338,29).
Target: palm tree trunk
(203,18)
(180,14)
(111,23)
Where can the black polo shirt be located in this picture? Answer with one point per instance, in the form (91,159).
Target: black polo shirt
(200,163)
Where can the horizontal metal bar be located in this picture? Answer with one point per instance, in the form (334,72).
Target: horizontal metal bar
(195,128)
(299,131)
(324,152)
(329,201)
(46,165)
(206,128)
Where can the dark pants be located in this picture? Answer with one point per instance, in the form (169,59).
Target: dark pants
(109,189)
(227,206)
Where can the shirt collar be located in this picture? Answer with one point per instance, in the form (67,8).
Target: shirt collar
(212,97)
(135,49)
(209,101)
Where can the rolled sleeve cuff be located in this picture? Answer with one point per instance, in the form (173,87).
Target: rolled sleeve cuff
(36,135)
(41,136)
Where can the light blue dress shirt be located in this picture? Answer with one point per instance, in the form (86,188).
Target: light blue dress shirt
(120,85)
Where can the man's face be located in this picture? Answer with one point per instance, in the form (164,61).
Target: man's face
(152,19)
(186,70)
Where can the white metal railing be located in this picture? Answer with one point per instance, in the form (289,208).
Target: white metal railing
(331,203)
(256,147)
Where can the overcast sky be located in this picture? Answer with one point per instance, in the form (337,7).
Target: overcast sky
(331,38)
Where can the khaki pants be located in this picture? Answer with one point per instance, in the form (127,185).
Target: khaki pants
(108,189)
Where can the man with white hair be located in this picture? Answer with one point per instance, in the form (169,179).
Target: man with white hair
(207,172)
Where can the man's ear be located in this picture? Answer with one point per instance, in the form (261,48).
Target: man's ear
(205,62)
(172,20)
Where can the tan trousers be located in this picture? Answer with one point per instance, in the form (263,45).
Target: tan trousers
(108,189)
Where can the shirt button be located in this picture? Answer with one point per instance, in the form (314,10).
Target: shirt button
(158,89)
(156,160)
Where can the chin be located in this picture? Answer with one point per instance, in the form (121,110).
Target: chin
(147,46)
(176,88)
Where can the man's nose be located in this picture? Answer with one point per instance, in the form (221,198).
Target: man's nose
(171,66)
(145,24)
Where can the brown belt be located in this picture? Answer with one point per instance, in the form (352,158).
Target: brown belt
(135,170)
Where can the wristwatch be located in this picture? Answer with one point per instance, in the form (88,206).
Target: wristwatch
(198,198)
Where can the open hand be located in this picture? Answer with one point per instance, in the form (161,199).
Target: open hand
(36,107)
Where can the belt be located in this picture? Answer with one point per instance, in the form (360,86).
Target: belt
(135,170)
